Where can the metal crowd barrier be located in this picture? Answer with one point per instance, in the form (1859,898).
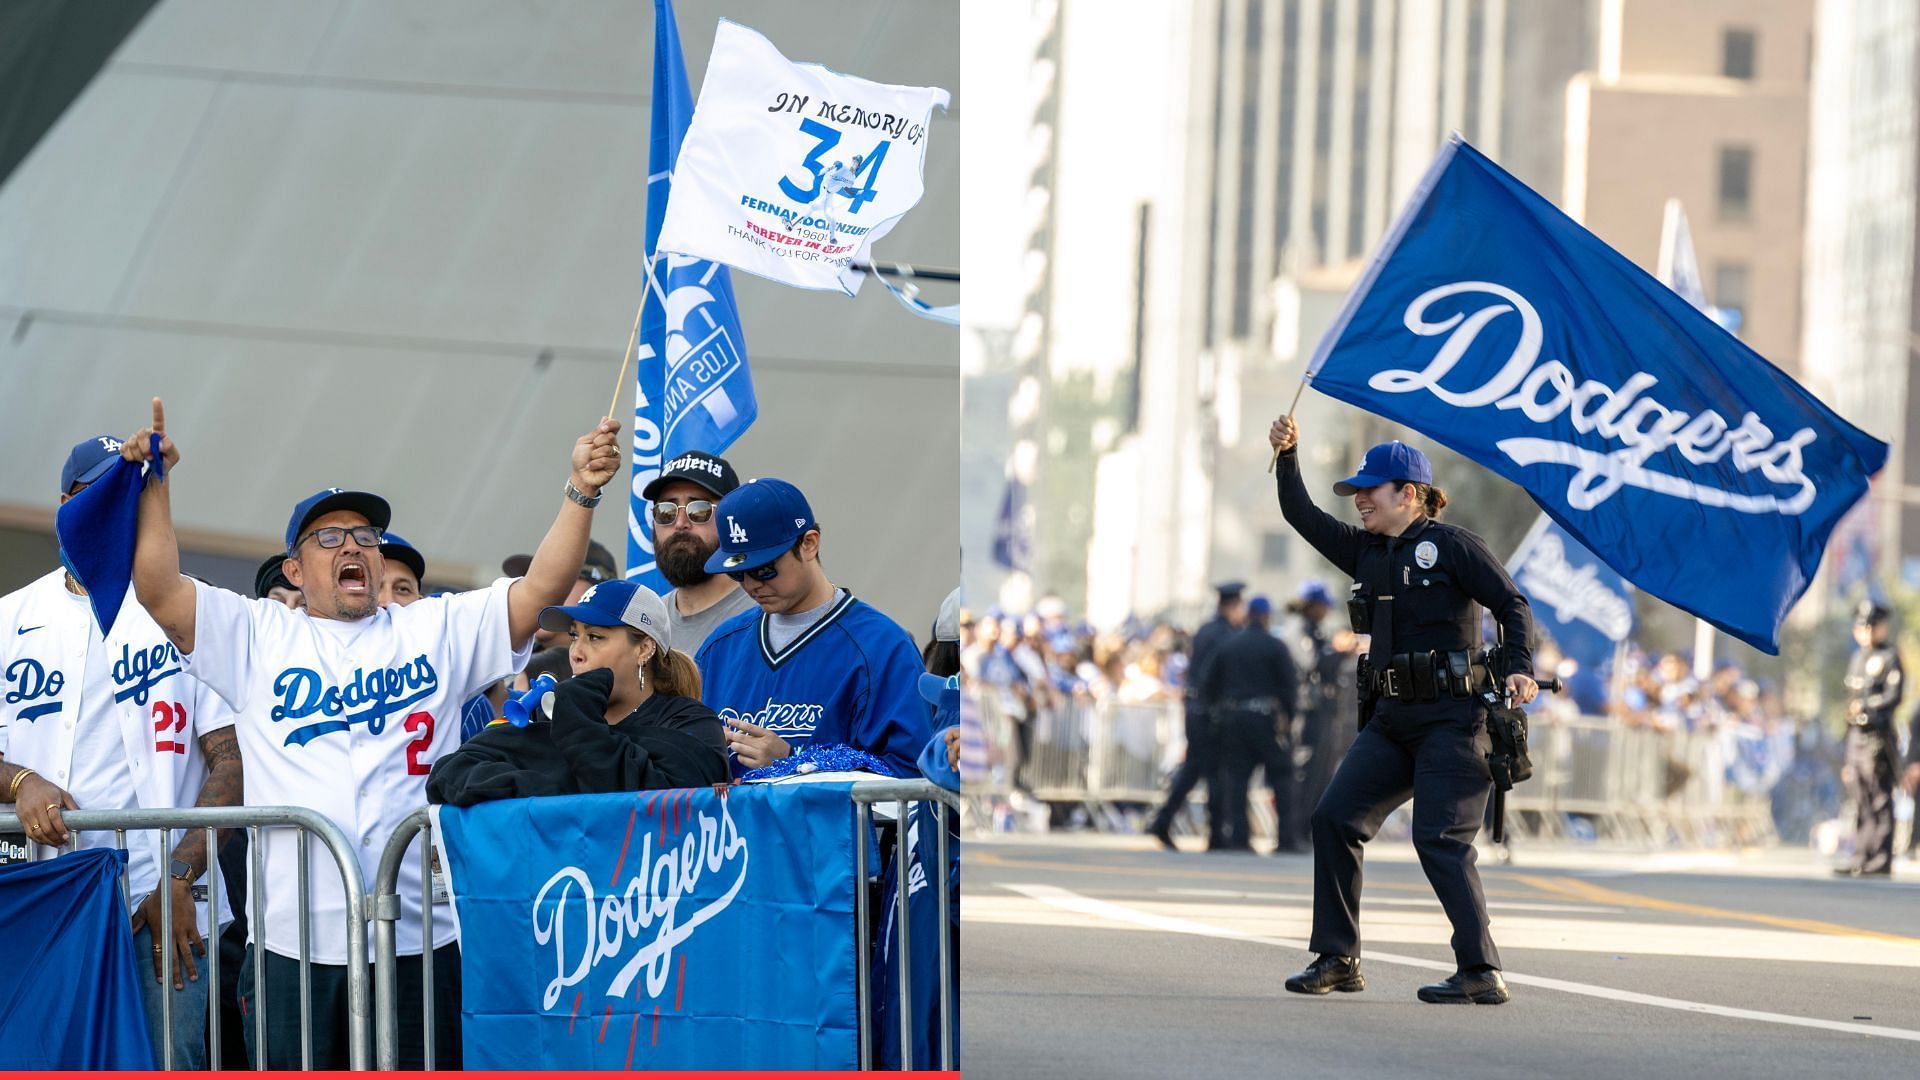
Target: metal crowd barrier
(1637,784)
(385,910)
(254,819)
(902,793)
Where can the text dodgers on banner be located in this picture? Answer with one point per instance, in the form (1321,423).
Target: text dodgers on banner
(678,929)
(694,390)
(792,171)
(1493,323)
(1580,603)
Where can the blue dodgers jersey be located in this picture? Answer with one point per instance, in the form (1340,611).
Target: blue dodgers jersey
(850,679)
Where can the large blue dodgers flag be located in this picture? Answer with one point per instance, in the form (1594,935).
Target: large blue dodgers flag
(694,390)
(1494,324)
(687,929)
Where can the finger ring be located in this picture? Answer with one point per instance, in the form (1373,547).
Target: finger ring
(54,806)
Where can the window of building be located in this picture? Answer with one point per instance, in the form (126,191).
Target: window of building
(1274,548)
(1736,54)
(1732,287)
(1736,182)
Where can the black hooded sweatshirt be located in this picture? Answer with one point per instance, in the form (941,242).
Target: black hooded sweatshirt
(668,742)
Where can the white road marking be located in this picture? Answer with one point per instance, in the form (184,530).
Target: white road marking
(1396,901)
(1067,900)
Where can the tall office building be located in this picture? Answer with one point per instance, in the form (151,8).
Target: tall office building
(1862,300)
(1303,126)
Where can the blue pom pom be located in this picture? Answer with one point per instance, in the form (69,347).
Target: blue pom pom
(811,758)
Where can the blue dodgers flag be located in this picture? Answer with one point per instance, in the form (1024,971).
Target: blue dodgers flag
(69,991)
(1579,601)
(96,529)
(1494,324)
(687,929)
(694,391)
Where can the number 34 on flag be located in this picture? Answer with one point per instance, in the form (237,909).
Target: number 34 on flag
(780,172)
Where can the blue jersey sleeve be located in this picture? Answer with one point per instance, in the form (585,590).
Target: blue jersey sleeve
(896,722)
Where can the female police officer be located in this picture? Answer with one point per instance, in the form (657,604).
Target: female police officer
(1424,733)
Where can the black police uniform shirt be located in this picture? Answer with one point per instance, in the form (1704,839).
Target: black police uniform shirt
(1250,665)
(1874,682)
(1435,573)
(1205,641)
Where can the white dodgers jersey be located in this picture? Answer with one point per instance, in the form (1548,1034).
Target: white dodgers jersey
(346,718)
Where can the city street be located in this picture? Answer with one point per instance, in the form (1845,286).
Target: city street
(1105,956)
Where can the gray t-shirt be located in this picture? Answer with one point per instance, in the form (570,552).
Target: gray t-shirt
(689,632)
(784,629)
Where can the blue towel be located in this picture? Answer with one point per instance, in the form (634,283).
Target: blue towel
(97,529)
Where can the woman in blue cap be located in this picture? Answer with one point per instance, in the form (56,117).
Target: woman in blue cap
(630,719)
(1423,730)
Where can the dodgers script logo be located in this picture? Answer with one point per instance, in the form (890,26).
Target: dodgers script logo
(788,720)
(1642,424)
(135,674)
(27,680)
(586,931)
(374,695)
(1574,592)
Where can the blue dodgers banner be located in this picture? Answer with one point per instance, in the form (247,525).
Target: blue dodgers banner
(70,991)
(682,929)
(1579,601)
(694,389)
(1496,325)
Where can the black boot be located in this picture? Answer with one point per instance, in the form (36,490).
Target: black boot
(1329,972)
(1163,832)
(1482,987)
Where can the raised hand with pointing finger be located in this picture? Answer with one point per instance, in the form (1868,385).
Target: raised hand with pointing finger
(139,446)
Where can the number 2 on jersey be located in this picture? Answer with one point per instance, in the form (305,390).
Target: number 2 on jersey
(173,721)
(423,723)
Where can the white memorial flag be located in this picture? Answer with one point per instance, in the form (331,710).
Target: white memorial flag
(791,171)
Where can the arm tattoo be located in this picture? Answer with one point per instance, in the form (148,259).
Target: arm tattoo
(219,747)
(222,787)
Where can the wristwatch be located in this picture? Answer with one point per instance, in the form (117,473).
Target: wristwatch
(576,495)
(181,871)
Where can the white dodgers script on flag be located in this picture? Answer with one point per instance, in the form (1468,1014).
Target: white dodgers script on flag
(791,171)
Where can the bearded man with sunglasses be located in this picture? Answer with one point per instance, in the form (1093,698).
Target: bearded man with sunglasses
(813,665)
(684,538)
(343,709)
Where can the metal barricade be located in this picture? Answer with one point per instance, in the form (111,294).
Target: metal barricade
(384,906)
(385,912)
(1128,749)
(1062,744)
(902,793)
(254,819)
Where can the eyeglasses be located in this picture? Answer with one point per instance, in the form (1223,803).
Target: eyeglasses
(594,574)
(332,536)
(699,511)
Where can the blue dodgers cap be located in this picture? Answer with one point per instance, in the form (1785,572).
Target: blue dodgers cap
(618,602)
(326,501)
(758,522)
(395,547)
(1389,461)
(88,461)
(940,691)
(1259,607)
(1314,591)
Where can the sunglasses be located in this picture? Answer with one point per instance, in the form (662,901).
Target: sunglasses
(699,511)
(332,536)
(762,573)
